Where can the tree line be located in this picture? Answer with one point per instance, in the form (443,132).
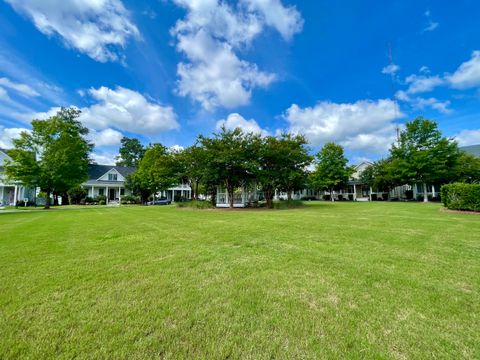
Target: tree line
(54,156)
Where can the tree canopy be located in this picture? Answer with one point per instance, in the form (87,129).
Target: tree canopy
(53,156)
(332,170)
(423,155)
(130,153)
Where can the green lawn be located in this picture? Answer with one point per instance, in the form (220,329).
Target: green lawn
(354,280)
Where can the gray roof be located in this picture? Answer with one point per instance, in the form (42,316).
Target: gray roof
(472,149)
(96,171)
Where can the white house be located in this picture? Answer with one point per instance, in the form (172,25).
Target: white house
(109,181)
(12,192)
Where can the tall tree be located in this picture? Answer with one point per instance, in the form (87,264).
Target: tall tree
(231,159)
(138,186)
(423,155)
(467,169)
(131,152)
(331,171)
(283,164)
(54,156)
(379,176)
(157,170)
(191,164)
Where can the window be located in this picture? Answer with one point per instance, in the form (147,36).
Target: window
(122,192)
(101,191)
(112,177)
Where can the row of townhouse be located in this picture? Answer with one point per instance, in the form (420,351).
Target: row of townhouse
(354,191)
(103,180)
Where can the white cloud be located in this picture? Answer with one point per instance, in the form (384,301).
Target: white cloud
(286,20)
(122,109)
(424,69)
(106,137)
(22,89)
(390,69)
(215,76)
(420,83)
(468,73)
(103,158)
(176,148)
(431,25)
(209,36)
(127,110)
(421,103)
(468,137)
(8,134)
(364,125)
(94,27)
(235,120)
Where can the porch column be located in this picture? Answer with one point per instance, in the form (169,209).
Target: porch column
(106,201)
(93,192)
(354,192)
(2,194)
(433,191)
(370,194)
(15,194)
(119,195)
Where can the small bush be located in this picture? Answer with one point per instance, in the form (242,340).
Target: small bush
(89,200)
(130,199)
(350,197)
(195,204)
(326,197)
(102,202)
(374,197)
(340,197)
(460,196)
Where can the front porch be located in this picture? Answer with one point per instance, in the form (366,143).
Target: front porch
(242,197)
(113,193)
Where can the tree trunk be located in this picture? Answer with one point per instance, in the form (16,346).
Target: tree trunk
(196,190)
(269,198)
(66,200)
(331,195)
(213,198)
(289,195)
(425,193)
(47,200)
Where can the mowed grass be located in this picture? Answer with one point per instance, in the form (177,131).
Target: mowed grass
(343,280)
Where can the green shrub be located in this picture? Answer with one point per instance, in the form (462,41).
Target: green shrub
(77,194)
(101,199)
(130,199)
(287,204)
(195,204)
(89,200)
(460,196)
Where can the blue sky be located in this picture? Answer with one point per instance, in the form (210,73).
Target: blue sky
(168,70)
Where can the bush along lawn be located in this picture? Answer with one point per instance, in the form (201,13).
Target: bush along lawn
(460,196)
(328,280)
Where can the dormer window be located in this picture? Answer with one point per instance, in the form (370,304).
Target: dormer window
(112,177)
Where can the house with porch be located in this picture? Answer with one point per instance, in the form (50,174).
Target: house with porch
(12,192)
(109,181)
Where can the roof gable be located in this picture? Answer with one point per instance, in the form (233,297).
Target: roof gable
(98,172)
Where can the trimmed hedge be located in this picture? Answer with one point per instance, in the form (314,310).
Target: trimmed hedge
(460,196)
